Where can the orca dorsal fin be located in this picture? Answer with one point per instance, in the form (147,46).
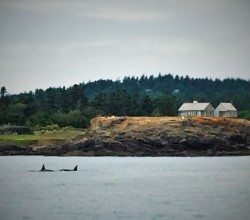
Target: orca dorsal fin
(43,168)
(75,169)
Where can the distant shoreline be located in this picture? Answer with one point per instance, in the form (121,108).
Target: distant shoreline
(151,136)
(56,151)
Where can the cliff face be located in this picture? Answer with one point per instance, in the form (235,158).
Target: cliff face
(157,136)
(163,136)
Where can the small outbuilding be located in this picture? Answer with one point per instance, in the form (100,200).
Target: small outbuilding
(11,129)
(196,109)
(225,110)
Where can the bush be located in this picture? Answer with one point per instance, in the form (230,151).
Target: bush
(29,124)
(244,114)
(41,118)
(52,127)
(74,118)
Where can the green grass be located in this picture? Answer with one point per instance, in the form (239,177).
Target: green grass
(38,139)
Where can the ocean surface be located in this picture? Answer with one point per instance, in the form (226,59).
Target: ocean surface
(138,188)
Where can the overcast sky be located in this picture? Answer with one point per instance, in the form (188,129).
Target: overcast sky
(63,42)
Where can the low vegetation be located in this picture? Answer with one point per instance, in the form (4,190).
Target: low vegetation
(40,138)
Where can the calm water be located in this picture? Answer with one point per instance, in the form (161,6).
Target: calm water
(125,188)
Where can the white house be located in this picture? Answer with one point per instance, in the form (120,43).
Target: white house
(196,109)
(225,110)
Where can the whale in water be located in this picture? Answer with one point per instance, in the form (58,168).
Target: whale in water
(43,169)
(75,169)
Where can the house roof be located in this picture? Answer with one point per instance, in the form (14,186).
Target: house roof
(223,106)
(194,106)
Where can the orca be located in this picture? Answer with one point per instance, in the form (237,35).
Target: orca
(75,169)
(45,170)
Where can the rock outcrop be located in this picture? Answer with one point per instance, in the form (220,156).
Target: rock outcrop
(153,136)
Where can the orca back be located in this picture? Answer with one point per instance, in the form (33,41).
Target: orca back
(75,169)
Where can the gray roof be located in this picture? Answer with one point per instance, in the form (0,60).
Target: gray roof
(194,106)
(223,106)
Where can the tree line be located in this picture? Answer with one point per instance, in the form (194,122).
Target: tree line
(133,96)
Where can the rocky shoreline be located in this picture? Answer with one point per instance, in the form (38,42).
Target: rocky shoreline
(151,136)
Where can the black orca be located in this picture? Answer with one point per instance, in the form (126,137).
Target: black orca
(45,170)
(75,169)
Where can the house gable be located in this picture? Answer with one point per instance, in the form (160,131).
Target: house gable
(193,107)
(196,109)
(225,110)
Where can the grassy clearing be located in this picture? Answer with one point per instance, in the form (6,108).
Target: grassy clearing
(38,139)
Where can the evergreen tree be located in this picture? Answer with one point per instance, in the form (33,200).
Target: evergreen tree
(132,96)
(146,106)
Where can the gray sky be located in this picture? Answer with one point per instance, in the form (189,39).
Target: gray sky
(63,42)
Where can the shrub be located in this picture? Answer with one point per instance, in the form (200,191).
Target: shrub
(52,127)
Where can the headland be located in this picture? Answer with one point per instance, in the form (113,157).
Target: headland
(151,136)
